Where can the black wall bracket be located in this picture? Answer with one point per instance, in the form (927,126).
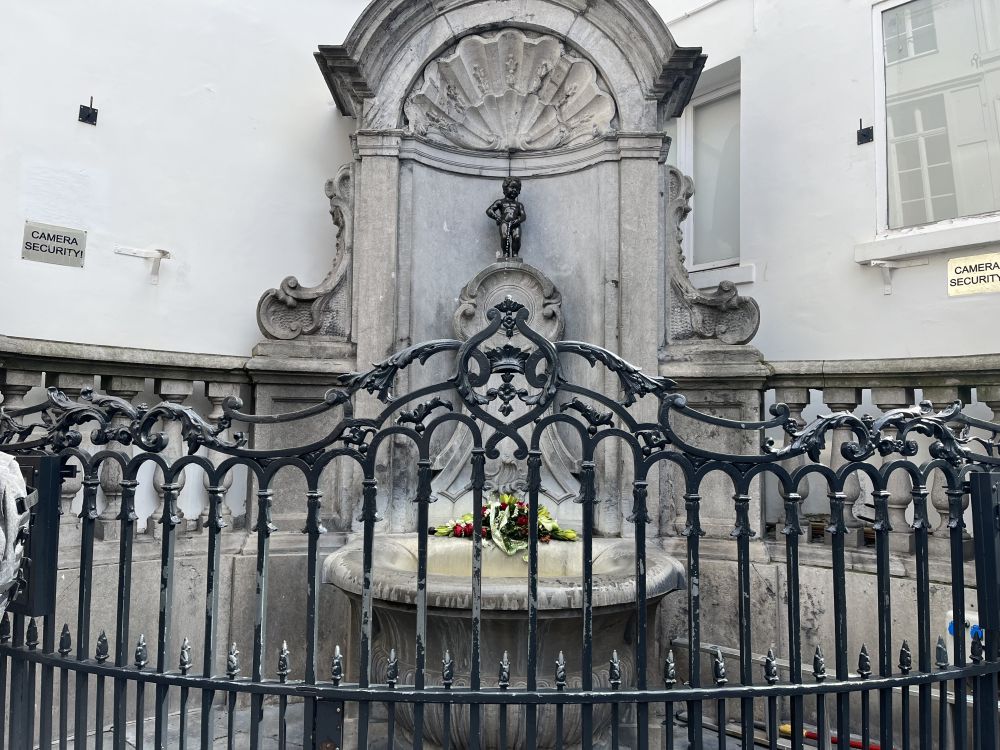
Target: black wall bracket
(88,114)
(865,135)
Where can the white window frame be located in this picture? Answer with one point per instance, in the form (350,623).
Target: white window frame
(925,239)
(911,55)
(685,163)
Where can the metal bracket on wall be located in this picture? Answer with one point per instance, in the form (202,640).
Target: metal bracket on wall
(888,266)
(155,255)
(865,135)
(88,114)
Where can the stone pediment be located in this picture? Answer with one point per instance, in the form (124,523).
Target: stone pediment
(510,90)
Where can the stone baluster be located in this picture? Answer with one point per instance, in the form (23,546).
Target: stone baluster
(796,399)
(108,525)
(942,397)
(989,395)
(900,496)
(217,393)
(175,392)
(15,386)
(72,384)
(845,399)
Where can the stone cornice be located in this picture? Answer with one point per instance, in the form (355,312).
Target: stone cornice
(397,38)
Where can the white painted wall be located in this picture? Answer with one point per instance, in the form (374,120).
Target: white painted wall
(808,191)
(214,139)
(216,134)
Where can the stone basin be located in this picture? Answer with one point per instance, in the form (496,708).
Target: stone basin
(504,620)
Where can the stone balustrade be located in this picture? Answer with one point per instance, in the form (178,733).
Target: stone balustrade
(28,366)
(873,387)
(809,388)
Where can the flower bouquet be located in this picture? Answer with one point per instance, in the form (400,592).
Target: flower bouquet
(505,523)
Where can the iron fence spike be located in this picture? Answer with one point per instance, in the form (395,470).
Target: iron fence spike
(31,641)
(719,668)
(185,660)
(864,663)
(504,679)
(233,662)
(561,672)
(283,662)
(141,653)
(976,651)
(336,667)
(669,670)
(447,669)
(905,658)
(5,628)
(770,667)
(941,653)
(819,665)
(615,671)
(65,641)
(392,671)
(102,648)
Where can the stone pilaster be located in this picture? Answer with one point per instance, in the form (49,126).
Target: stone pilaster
(726,381)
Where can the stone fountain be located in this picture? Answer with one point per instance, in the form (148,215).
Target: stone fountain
(504,619)
(451,99)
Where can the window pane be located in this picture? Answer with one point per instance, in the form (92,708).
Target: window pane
(921,13)
(716,206)
(941,179)
(937,149)
(932,113)
(914,213)
(924,40)
(949,139)
(903,118)
(911,185)
(945,207)
(908,155)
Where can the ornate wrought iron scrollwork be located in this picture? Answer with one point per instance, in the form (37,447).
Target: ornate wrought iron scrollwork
(521,378)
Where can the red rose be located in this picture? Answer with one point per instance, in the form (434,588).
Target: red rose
(521,504)
(468,528)
(459,530)
(522,521)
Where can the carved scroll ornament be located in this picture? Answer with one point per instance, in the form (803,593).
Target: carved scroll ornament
(510,91)
(292,310)
(722,315)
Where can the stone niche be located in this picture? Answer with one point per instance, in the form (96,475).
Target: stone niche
(450,97)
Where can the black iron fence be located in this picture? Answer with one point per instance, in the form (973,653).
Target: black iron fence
(75,682)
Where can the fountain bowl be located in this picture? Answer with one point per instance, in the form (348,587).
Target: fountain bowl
(504,623)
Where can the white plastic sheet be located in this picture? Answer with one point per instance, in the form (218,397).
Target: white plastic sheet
(12,490)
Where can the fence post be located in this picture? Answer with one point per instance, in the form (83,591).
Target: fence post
(985,491)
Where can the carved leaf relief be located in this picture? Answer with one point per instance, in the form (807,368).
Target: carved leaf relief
(510,91)
(293,310)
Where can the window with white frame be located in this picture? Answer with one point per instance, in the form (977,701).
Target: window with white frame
(706,146)
(908,30)
(942,110)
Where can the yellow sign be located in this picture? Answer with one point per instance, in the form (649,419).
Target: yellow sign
(976,274)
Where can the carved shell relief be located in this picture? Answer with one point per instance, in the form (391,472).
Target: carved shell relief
(510,91)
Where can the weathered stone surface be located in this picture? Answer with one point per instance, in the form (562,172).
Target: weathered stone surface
(510,91)
(369,74)
(691,314)
(324,310)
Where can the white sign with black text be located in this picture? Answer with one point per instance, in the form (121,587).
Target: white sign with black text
(47,243)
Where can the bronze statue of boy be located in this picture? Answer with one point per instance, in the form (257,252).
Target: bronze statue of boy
(508,213)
